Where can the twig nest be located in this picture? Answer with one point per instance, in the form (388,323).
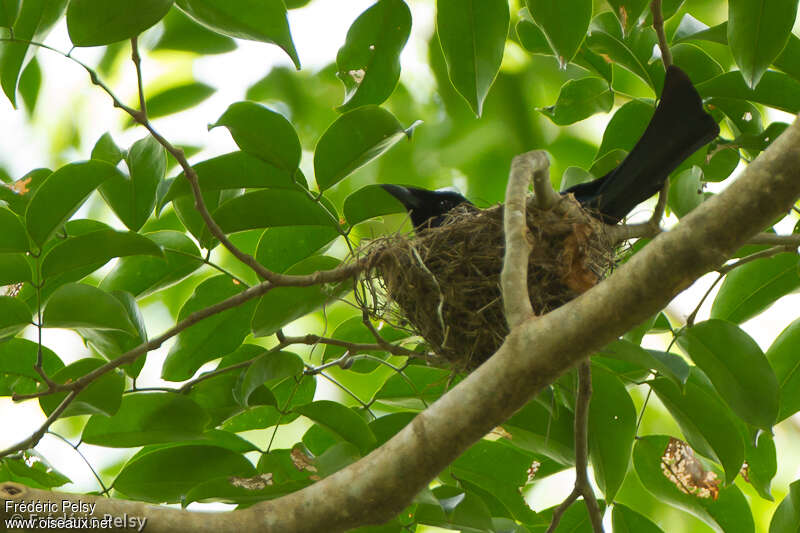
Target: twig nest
(445,282)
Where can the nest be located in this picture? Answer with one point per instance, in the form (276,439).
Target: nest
(444,283)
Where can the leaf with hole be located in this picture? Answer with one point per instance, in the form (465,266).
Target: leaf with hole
(369,61)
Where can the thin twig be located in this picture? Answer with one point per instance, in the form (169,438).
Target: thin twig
(582,486)
(155,343)
(85,460)
(37,435)
(137,62)
(658,25)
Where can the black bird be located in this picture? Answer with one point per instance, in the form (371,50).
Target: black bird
(426,207)
(679,127)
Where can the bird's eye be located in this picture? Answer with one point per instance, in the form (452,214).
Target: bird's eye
(444,204)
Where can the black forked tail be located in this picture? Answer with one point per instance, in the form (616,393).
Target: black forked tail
(678,128)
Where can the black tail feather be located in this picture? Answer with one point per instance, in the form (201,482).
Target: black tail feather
(679,127)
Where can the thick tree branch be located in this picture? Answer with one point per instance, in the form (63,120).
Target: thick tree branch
(536,352)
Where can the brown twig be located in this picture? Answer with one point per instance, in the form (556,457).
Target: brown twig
(33,439)
(582,486)
(658,25)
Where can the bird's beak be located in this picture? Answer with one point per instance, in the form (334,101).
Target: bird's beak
(403,195)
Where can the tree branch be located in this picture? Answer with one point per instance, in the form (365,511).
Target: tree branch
(658,25)
(514,276)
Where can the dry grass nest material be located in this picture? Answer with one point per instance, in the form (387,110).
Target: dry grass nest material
(445,282)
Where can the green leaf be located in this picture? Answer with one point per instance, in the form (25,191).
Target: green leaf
(133,199)
(695,62)
(370,202)
(282,305)
(9,9)
(535,429)
(34,21)
(13,238)
(76,305)
(628,12)
(98,22)
(61,194)
(626,520)
(97,247)
(183,34)
(419,387)
(721,165)
(256,20)
(269,208)
(102,396)
(14,316)
(213,337)
(111,343)
(707,423)
(235,170)
(499,469)
(193,221)
(775,89)
(580,99)
(262,132)
(785,360)
(730,512)
(667,364)
(105,149)
(147,418)
(32,470)
(30,82)
(757,32)
(353,140)
(369,61)
(266,370)
(287,394)
(565,28)
(625,128)
(632,51)
(167,474)
(342,420)
(787,515)
(473,37)
(175,99)
(686,191)
(284,246)
(142,275)
(14,268)
(751,288)
(17,359)
(612,424)
(762,463)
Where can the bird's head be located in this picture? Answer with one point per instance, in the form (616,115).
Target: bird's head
(426,207)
